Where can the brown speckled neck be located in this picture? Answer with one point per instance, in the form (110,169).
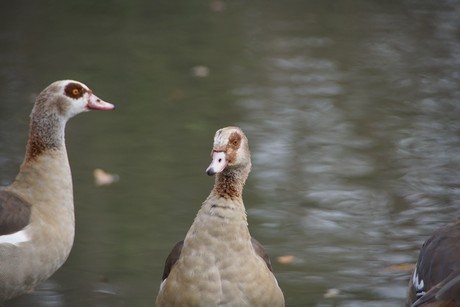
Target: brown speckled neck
(230,183)
(46,132)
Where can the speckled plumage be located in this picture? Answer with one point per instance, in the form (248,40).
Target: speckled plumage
(218,264)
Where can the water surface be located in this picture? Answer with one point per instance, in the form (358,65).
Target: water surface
(351,110)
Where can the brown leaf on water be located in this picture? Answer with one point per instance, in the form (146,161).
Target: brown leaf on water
(286,259)
(101,177)
(401,267)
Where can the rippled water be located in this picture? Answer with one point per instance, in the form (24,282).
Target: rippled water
(351,110)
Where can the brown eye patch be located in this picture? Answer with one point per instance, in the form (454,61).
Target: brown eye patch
(234,140)
(74,90)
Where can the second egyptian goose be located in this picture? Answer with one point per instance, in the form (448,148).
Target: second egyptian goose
(218,263)
(37,210)
(436,278)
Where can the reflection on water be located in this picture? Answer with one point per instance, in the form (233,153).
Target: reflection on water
(351,110)
(353,152)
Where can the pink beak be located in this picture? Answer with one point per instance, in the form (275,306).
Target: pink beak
(94,103)
(218,163)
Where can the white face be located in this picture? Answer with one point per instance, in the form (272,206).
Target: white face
(230,150)
(73,97)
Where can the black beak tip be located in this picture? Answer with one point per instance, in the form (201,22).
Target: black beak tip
(210,171)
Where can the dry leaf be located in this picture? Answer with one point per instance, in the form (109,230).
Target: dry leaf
(101,177)
(402,267)
(286,259)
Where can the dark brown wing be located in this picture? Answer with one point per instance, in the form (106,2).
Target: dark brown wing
(172,259)
(177,249)
(14,213)
(438,268)
(447,292)
(260,251)
(450,290)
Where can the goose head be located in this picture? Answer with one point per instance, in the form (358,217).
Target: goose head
(67,98)
(54,106)
(230,151)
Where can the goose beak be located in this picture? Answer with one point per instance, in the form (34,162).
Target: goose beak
(95,103)
(218,163)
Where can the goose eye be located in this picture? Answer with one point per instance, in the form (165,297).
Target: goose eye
(234,140)
(74,90)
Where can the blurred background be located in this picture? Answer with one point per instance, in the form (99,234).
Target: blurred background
(351,109)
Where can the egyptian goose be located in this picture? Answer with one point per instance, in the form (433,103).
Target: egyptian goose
(36,210)
(218,263)
(436,278)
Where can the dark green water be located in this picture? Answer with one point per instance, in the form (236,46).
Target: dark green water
(351,109)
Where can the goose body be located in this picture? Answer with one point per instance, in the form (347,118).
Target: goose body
(219,263)
(436,278)
(36,210)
